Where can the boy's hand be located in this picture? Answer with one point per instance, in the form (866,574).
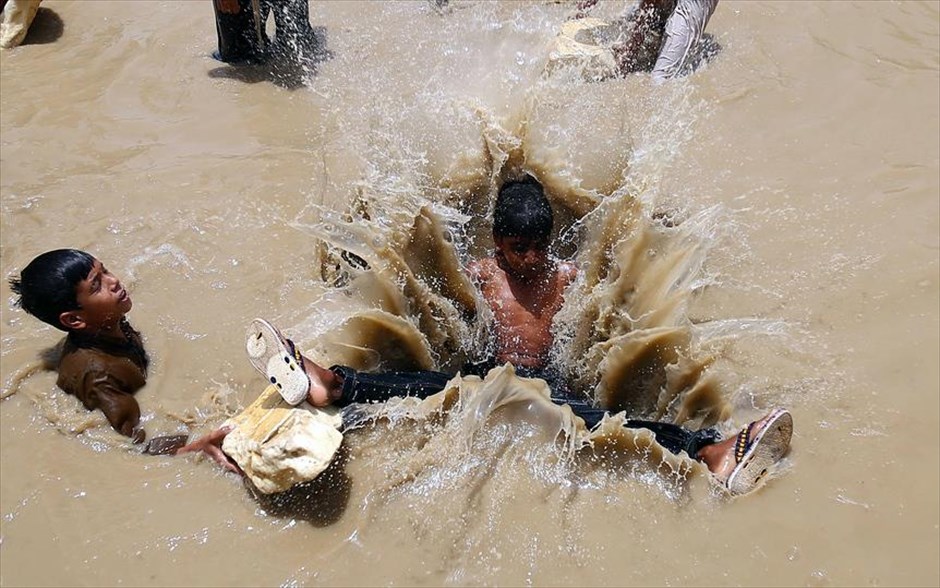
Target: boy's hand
(211,445)
(138,435)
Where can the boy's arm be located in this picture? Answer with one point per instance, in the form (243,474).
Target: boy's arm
(211,445)
(102,390)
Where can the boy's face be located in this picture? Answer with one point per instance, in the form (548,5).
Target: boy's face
(102,301)
(527,258)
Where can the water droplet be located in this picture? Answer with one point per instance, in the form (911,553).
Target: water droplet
(794,553)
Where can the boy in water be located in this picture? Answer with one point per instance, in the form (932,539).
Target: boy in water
(524,287)
(103,361)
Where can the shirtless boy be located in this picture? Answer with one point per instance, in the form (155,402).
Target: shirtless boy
(103,361)
(524,286)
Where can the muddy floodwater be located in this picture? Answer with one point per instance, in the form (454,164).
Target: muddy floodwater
(764,232)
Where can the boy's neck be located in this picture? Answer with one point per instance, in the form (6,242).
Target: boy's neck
(537,281)
(114,331)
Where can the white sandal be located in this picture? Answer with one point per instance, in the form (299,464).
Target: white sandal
(278,359)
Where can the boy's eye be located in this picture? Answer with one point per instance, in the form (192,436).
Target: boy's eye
(532,246)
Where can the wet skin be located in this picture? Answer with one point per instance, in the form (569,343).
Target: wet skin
(103,302)
(524,288)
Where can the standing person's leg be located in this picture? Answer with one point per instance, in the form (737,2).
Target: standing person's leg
(643,27)
(684,30)
(235,27)
(294,34)
(261,9)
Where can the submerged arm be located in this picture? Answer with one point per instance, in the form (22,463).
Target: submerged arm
(103,391)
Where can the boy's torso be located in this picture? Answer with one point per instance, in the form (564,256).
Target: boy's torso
(87,363)
(523,314)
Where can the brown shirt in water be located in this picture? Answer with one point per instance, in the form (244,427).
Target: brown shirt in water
(105,373)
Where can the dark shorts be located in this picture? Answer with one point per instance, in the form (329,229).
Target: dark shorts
(368,388)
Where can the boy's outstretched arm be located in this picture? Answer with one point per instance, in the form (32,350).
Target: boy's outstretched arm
(121,410)
(211,445)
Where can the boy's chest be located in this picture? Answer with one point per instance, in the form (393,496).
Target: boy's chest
(81,368)
(519,306)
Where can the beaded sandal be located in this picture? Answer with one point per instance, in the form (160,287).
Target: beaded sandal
(755,453)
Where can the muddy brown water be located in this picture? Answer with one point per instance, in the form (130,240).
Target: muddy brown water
(800,165)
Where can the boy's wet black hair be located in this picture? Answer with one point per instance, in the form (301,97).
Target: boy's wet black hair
(522,210)
(46,287)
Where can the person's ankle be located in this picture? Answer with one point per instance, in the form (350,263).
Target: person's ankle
(318,396)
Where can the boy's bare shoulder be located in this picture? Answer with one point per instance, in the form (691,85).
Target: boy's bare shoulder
(79,368)
(483,269)
(567,271)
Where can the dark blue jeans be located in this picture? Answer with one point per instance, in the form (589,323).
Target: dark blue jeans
(366,388)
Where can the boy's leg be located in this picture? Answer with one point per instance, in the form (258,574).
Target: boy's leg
(739,462)
(362,387)
(675,438)
(672,437)
(281,363)
(298,379)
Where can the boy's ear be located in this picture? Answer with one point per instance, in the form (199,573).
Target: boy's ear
(72,320)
